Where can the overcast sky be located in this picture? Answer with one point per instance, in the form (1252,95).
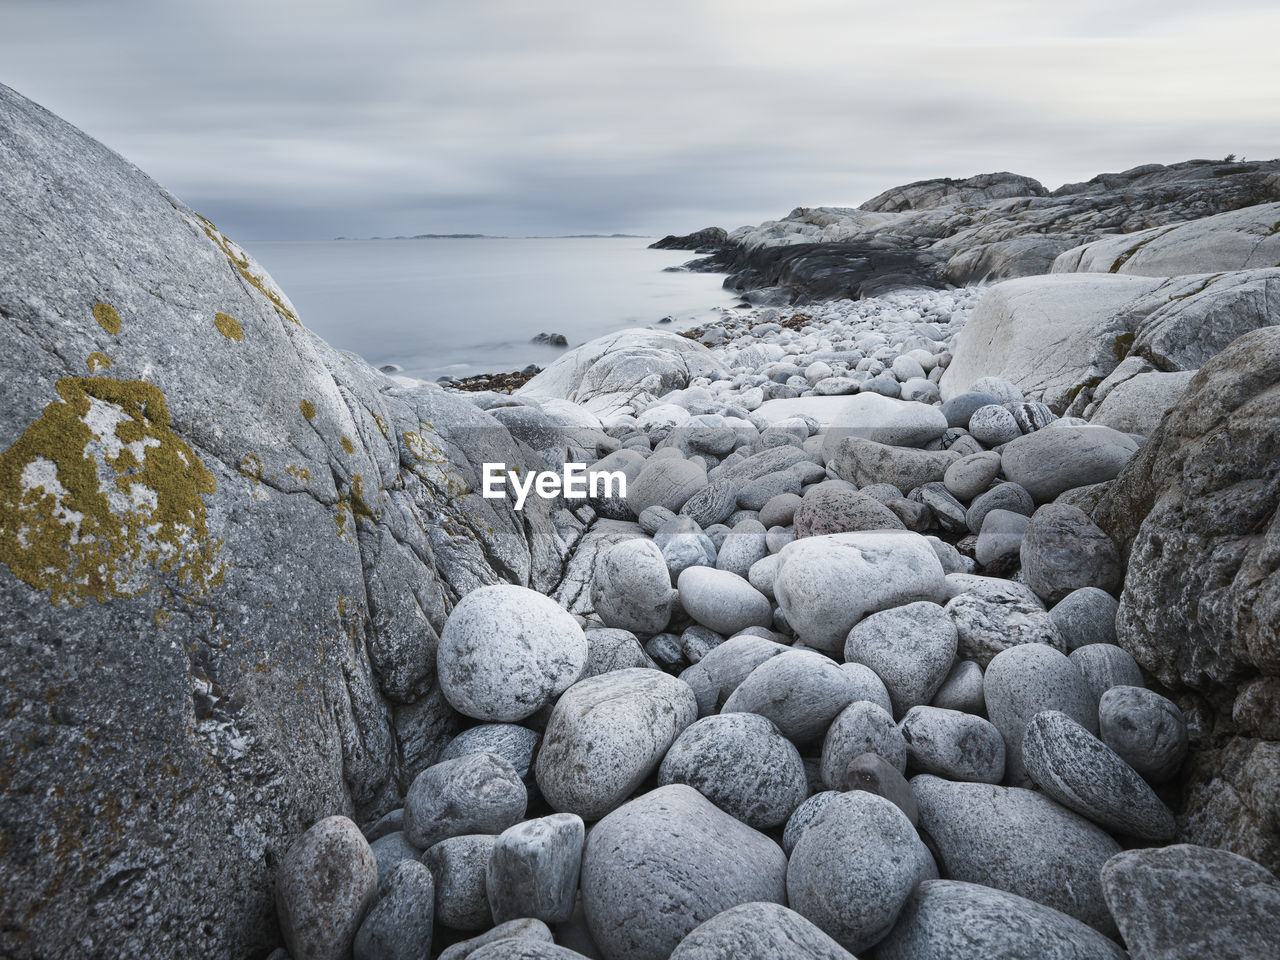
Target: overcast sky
(314,118)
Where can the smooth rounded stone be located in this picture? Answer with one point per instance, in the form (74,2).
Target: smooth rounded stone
(1105,665)
(987,626)
(800,691)
(758,931)
(742,764)
(866,462)
(971,475)
(906,368)
(703,687)
(861,727)
(854,867)
(953,744)
(920,390)
(1032,415)
(399,925)
(1061,458)
(952,560)
(754,494)
(611,648)
(832,510)
(1085,775)
(914,516)
(651,518)
(526,928)
(716,534)
(1029,679)
(712,504)
(883,492)
(1085,616)
(954,920)
(666,651)
(730,663)
(835,386)
(326,882)
(1001,537)
(506,651)
(696,642)
(1003,496)
(874,774)
(993,426)
(962,689)
(1063,550)
(606,735)
(810,472)
(476,793)
(872,416)
(742,548)
(738,516)
(867,685)
(1019,841)
(512,742)
(458,867)
(680,551)
(825,585)
(762,574)
(387,823)
(960,408)
(666,862)
(804,817)
(390,849)
(533,871)
(1186,902)
(949,512)
(884,385)
(910,648)
(779,511)
(1146,730)
(723,601)
(631,587)
(667,482)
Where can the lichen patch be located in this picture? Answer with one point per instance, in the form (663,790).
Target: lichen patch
(97,361)
(228,326)
(107,317)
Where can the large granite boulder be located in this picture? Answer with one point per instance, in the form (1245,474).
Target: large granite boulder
(1236,240)
(226,553)
(1195,513)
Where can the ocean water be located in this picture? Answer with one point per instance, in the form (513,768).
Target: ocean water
(461,307)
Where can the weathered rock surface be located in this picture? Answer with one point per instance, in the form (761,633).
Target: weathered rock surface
(1195,515)
(758,931)
(296,529)
(326,883)
(666,862)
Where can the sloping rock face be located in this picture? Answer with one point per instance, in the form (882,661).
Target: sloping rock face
(994,227)
(1245,239)
(1195,512)
(226,552)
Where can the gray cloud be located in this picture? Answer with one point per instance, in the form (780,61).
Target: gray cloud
(312,119)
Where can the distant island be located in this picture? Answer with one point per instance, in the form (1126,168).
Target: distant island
(487,236)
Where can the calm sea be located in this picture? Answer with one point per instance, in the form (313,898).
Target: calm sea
(462,307)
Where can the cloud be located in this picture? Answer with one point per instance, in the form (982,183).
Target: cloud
(321,118)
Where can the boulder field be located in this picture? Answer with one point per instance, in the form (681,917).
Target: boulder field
(896,644)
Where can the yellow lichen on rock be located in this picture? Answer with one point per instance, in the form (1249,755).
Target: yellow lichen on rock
(99,497)
(98,361)
(240,261)
(228,326)
(107,317)
(308,409)
(347,445)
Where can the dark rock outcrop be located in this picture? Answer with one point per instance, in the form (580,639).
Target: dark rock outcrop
(226,553)
(1195,513)
(706,240)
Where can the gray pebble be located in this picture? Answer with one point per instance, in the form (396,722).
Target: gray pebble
(758,931)
(953,745)
(525,928)
(988,624)
(512,742)
(800,691)
(458,866)
(962,689)
(608,649)
(533,871)
(1064,550)
(712,504)
(1146,730)
(861,727)
(399,925)
(780,510)
(1003,496)
(723,601)
(325,883)
(969,476)
(477,793)
(1086,616)
(910,648)
(867,685)
(993,425)
(1104,665)
(631,587)
(390,849)
(874,774)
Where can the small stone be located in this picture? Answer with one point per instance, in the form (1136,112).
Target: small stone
(948,511)
(861,727)
(652,518)
(832,510)
(993,425)
(800,691)
(1085,775)
(667,482)
(1063,550)
(1086,616)
(991,623)
(525,928)
(507,651)
(1105,665)
(723,601)
(959,409)
(754,494)
(666,651)
(962,689)
(1060,458)
(1032,415)
(664,863)
(399,925)
(867,685)
(1191,903)
(712,504)
(1003,496)
(731,662)
(512,742)
(874,774)
(458,867)
(758,931)
(533,871)
(742,547)
(326,883)
(971,475)
(779,511)
(390,849)
(611,648)
(477,793)
(1001,538)
(1145,730)
(631,587)
(953,745)
(911,648)
(852,870)
(606,735)
(742,764)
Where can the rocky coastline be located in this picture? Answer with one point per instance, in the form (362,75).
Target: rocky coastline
(938,618)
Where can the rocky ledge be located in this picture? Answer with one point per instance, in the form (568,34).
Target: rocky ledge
(939,624)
